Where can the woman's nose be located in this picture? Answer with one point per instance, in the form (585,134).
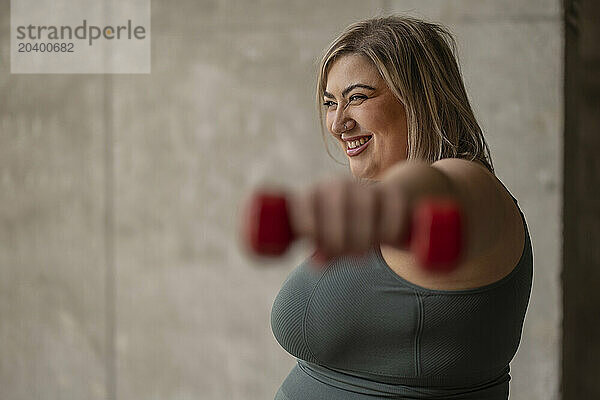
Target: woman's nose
(342,124)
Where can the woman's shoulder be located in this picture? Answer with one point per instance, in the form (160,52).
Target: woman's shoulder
(474,273)
(497,261)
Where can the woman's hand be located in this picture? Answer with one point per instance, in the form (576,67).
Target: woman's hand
(414,208)
(342,216)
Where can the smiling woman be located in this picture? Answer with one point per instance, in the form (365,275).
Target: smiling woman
(361,107)
(372,324)
(411,61)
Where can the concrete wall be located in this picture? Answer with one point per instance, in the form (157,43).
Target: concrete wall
(120,276)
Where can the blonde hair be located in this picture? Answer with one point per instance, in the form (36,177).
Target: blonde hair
(417,60)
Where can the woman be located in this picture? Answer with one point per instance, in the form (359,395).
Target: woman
(371,323)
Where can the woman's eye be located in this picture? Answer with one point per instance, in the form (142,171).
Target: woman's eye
(328,103)
(357,97)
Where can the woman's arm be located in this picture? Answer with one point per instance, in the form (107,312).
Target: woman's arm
(488,209)
(342,216)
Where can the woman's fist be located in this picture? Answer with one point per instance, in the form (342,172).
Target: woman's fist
(342,216)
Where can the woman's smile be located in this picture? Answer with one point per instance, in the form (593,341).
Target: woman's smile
(357,144)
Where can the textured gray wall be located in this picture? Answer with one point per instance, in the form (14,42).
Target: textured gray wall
(120,275)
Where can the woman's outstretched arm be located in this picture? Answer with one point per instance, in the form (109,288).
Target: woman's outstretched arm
(342,216)
(489,212)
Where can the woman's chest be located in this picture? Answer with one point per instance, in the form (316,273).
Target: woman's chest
(352,316)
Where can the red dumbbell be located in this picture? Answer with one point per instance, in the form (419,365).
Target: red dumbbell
(435,234)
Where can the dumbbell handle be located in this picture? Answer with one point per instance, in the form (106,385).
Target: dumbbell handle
(435,234)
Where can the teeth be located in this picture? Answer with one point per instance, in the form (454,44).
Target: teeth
(355,143)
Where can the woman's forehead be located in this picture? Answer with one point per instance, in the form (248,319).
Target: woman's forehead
(350,69)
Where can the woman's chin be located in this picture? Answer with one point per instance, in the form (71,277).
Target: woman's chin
(361,171)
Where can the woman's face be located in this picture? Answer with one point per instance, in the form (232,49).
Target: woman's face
(360,107)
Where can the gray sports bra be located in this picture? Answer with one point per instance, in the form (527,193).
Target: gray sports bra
(360,331)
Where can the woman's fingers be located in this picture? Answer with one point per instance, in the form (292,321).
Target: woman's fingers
(303,214)
(363,217)
(394,216)
(346,215)
(341,216)
(331,213)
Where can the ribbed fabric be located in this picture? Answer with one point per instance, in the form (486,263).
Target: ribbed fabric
(360,332)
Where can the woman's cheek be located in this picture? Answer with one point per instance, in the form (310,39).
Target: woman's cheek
(329,122)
